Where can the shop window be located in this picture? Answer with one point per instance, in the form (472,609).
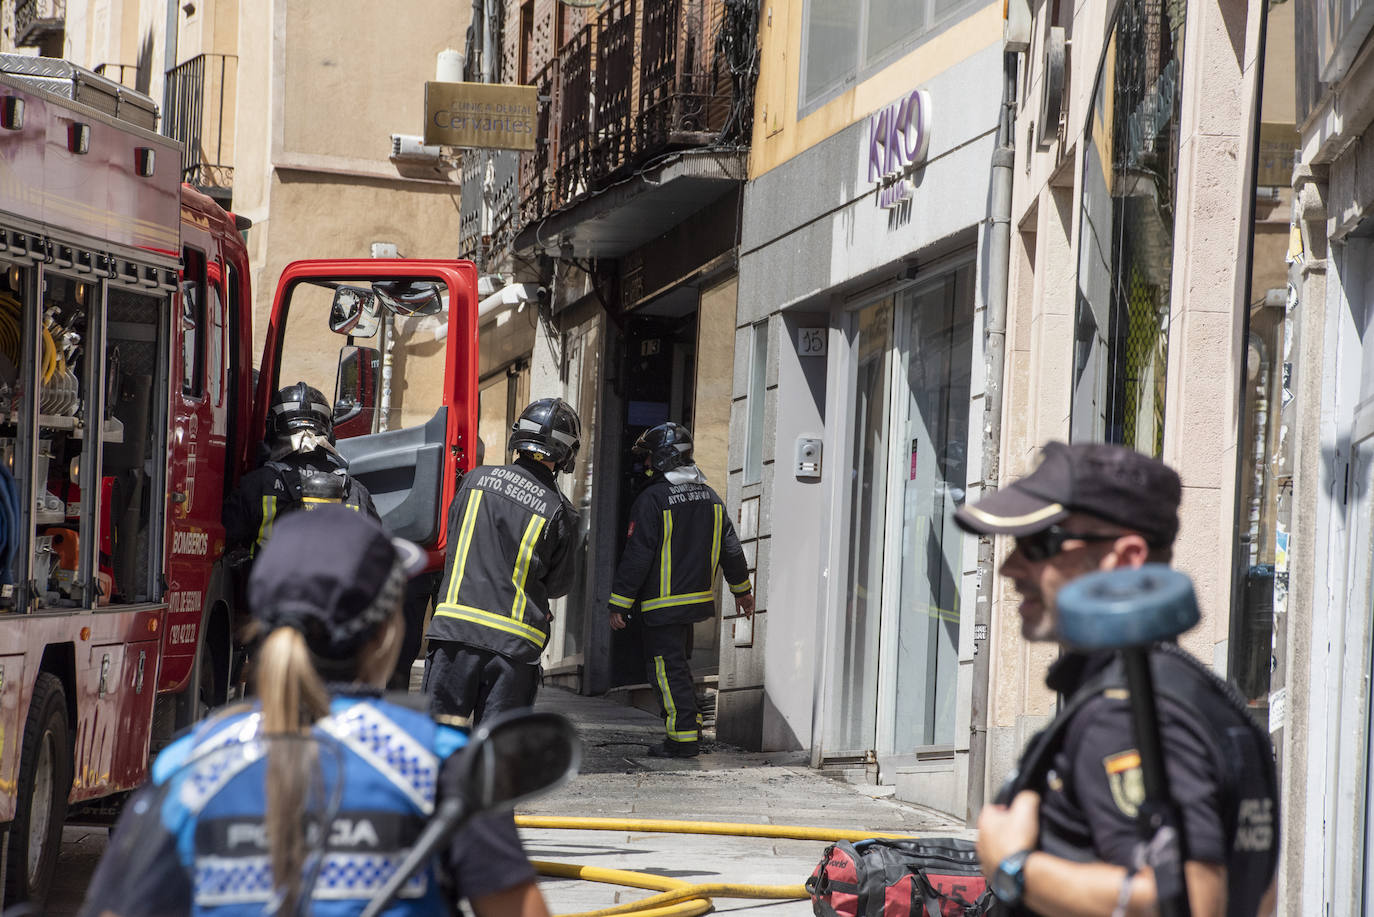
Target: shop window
(1125,257)
(758,393)
(847,40)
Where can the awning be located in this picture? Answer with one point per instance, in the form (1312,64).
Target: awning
(638,209)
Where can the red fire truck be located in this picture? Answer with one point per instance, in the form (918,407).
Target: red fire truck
(128,409)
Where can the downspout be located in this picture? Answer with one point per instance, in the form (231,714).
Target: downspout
(169,45)
(995,326)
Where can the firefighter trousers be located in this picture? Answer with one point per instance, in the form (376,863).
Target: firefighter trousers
(666,648)
(468,681)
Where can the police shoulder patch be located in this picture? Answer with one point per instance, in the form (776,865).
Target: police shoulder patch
(1126,781)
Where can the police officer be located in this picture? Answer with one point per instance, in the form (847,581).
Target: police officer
(230,835)
(303,470)
(680,535)
(1068,841)
(512,546)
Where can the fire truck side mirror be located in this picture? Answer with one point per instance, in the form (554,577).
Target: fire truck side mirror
(355,391)
(354,312)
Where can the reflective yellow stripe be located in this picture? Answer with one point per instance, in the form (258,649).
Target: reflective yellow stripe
(269,513)
(665,556)
(741,588)
(487,619)
(620,601)
(460,555)
(668,601)
(715,542)
(522,566)
(312,502)
(671,724)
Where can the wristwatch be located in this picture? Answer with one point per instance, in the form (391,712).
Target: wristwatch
(1009,881)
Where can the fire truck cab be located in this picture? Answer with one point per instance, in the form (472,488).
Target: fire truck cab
(128,411)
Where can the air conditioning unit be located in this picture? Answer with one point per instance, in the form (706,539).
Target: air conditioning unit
(413,159)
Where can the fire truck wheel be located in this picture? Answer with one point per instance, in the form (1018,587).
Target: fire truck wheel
(45,780)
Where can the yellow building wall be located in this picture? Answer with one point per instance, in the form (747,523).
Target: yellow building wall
(779,134)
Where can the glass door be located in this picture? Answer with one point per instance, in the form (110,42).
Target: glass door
(932,465)
(852,721)
(894,684)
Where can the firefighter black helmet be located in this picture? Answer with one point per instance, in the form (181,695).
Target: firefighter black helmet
(665,447)
(548,429)
(297,409)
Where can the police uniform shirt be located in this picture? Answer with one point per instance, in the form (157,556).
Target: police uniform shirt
(1095,787)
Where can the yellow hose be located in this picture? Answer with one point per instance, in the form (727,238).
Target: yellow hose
(677,898)
(665,826)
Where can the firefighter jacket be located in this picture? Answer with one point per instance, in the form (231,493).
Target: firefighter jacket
(680,535)
(388,758)
(512,546)
(265,493)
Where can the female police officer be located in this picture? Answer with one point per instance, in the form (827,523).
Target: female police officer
(326,594)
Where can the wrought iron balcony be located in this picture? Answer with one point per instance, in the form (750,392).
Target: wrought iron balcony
(38,21)
(646,77)
(199,101)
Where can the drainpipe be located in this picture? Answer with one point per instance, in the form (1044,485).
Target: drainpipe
(995,321)
(169,44)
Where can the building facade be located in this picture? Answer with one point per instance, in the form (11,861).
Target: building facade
(865,262)
(610,253)
(1128,320)
(1329,358)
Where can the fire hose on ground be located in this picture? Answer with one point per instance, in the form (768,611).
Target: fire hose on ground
(677,898)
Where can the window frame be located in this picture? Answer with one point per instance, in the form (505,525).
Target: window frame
(932,27)
(194,273)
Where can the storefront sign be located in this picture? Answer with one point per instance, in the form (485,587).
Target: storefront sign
(898,137)
(488,116)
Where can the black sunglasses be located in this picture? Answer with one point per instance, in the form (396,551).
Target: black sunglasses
(1045,544)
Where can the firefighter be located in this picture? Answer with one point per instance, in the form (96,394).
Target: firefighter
(679,536)
(303,470)
(331,622)
(512,546)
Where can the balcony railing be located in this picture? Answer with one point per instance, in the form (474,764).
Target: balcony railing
(200,109)
(36,21)
(644,78)
(123,74)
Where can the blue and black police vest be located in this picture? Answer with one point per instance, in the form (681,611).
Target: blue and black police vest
(389,759)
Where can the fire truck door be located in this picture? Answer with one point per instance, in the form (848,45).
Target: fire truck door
(198,458)
(400,369)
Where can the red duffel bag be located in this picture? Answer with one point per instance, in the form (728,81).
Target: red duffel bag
(925,877)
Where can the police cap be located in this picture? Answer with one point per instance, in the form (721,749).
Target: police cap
(1113,483)
(334,575)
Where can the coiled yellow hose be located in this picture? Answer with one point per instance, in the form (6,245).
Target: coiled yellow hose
(677,898)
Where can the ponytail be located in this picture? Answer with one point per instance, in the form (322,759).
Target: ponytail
(293,697)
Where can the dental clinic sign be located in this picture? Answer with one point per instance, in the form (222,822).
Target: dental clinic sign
(898,137)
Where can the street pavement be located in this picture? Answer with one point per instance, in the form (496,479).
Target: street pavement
(618,780)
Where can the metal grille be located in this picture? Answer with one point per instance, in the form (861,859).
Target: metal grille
(615,70)
(678,76)
(575,115)
(200,98)
(1144,362)
(536,174)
